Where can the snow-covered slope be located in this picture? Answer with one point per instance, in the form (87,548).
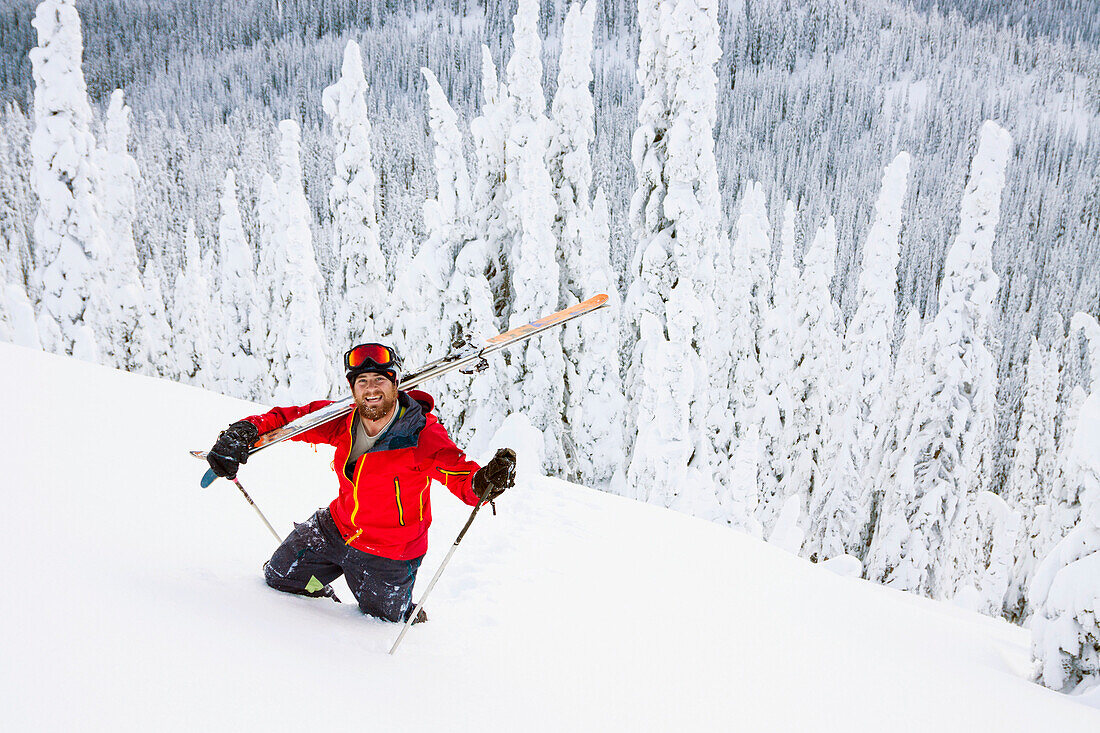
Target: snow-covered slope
(133,600)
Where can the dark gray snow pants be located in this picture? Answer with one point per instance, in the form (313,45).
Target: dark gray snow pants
(314,555)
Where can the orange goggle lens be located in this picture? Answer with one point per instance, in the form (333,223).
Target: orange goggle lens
(363,353)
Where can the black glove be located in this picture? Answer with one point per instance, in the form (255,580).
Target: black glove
(231,448)
(495,476)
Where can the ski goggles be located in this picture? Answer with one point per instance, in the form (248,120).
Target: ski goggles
(368,357)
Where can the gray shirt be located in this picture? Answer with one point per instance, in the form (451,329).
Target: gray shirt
(363,442)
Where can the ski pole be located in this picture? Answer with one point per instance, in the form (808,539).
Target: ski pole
(439,572)
(267,524)
(248,498)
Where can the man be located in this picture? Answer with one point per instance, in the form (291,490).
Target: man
(388,451)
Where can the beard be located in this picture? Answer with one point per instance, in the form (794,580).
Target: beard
(378,409)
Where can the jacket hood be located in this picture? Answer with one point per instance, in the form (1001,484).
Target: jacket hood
(427,402)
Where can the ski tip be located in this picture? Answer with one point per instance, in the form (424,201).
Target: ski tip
(207,478)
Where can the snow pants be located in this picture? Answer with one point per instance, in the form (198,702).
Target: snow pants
(314,555)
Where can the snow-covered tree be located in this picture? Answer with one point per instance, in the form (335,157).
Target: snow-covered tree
(158,334)
(361,296)
(888,523)
(240,373)
(1066,589)
(269,256)
(689,43)
(572,129)
(489,130)
(118,180)
(864,393)
(531,209)
(1062,507)
(446,318)
(596,406)
(301,365)
(1031,480)
(661,379)
(776,400)
(582,230)
(447,214)
(948,443)
(740,498)
(17,319)
(817,358)
(674,218)
(837,508)
(17,323)
(463,313)
(191,316)
(749,284)
(998,529)
(478,405)
(68,234)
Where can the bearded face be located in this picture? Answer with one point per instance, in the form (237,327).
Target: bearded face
(375,396)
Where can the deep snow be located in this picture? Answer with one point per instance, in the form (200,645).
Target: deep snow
(133,600)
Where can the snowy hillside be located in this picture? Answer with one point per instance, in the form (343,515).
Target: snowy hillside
(134,601)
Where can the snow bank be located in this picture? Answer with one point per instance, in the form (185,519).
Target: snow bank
(140,604)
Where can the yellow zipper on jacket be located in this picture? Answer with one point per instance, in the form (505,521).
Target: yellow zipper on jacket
(354,483)
(397,493)
(427,483)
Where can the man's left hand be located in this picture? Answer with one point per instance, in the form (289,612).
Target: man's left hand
(495,476)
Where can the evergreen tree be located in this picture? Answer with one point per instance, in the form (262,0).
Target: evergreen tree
(126,347)
(17,324)
(741,497)
(750,280)
(483,405)
(17,204)
(535,273)
(572,129)
(68,235)
(158,341)
(998,531)
(582,229)
(191,316)
(1033,472)
(1062,507)
(240,373)
(867,353)
(1066,588)
(17,319)
(816,379)
(596,406)
(270,256)
(689,38)
(891,465)
(776,402)
(301,365)
(474,408)
(361,308)
(948,441)
(817,326)
(674,218)
(489,130)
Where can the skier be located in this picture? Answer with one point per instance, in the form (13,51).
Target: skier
(388,450)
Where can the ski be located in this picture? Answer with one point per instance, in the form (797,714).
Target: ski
(470,356)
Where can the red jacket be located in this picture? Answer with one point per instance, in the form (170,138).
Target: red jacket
(383,504)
